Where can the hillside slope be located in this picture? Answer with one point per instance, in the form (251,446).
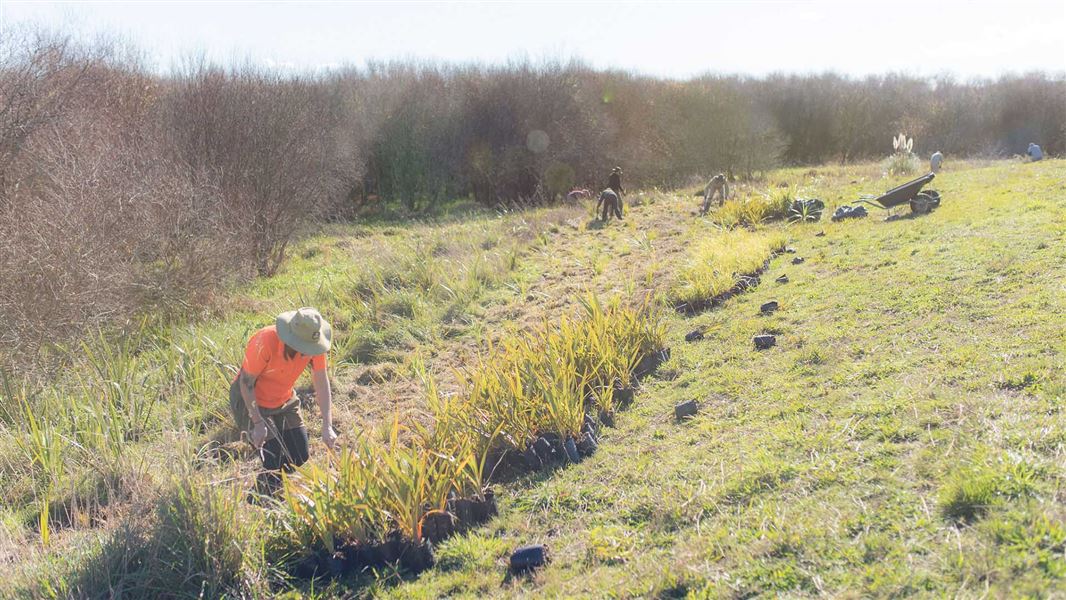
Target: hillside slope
(906,434)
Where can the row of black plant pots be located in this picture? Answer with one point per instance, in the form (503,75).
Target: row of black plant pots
(463,513)
(410,555)
(550,448)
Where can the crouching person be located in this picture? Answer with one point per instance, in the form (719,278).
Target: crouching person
(262,397)
(611,203)
(718,187)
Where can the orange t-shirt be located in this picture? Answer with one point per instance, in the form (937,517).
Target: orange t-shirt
(264,359)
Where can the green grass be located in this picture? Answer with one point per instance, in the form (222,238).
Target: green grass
(905,437)
(134,407)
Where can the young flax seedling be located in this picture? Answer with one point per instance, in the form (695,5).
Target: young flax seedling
(44,447)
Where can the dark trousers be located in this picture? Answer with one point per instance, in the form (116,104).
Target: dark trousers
(282,453)
(611,207)
(288,452)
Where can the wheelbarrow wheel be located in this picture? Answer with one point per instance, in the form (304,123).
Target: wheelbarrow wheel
(921,204)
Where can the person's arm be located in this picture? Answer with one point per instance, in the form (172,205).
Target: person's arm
(324,397)
(246,382)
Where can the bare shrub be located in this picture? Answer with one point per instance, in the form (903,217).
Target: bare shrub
(40,76)
(266,143)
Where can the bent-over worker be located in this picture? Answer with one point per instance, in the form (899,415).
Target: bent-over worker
(262,397)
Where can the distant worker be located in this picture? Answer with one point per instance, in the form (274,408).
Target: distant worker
(578,194)
(614,183)
(717,186)
(1034,152)
(262,398)
(611,203)
(936,161)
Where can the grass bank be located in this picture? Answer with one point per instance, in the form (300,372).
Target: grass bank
(905,436)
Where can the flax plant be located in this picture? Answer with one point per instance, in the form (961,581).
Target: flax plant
(717,264)
(524,386)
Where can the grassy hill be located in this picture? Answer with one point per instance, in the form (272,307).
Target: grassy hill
(905,436)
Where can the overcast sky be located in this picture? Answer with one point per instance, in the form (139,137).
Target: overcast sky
(678,39)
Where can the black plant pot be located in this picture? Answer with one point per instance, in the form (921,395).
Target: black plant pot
(544,449)
(587,445)
(686,409)
(651,362)
(764,341)
(482,511)
(559,448)
(589,426)
(416,557)
(607,418)
(437,526)
(532,460)
(391,549)
(337,563)
(463,509)
(306,567)
(528,558)
(623,395)
(570,447)
(361,557)
(490,502)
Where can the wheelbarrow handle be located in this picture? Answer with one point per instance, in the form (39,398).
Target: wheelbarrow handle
(874,204)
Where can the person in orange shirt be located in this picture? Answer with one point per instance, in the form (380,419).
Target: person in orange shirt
(262,397)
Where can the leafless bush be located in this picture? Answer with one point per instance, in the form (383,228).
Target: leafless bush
(95,225)
(124,194)
(268,144)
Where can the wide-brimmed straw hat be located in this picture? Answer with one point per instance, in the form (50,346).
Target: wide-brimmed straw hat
(305,331)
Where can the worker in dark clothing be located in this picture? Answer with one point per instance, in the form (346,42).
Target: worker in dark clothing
(614,182)
(611,203)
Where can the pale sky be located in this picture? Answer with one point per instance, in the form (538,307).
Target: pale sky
(669,39)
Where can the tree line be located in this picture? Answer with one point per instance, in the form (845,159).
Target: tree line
(126,191)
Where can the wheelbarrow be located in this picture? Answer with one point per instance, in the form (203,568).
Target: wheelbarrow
(910,192)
